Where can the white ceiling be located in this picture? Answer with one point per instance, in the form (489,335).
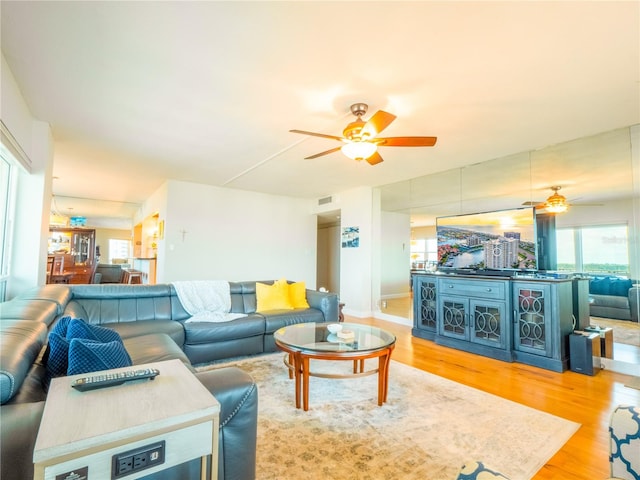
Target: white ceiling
(140,92)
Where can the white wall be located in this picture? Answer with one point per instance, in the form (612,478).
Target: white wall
(30,232)
(221,233)
(103,235)
(395,255)
(356,284)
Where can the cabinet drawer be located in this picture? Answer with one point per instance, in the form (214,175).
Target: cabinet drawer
(494,290)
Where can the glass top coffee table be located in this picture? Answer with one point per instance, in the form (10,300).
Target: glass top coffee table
(305,341)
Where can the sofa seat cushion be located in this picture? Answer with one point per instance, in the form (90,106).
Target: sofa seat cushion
(20,345)
(135,329)
(154,347)
(209,332)
(610,301)
(276,319)
(43,311)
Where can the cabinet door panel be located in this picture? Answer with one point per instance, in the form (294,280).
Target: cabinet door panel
(453,312)
(428,307)
(488,323)
(532,318)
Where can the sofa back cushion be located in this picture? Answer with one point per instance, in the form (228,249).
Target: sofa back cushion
(41,311)
(57,293)
(116,303)
(609,285)
(243,297)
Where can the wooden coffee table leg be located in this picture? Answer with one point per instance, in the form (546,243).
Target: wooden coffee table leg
(381,377)
(305,382)
(296,368)
(386,373)
(292,362)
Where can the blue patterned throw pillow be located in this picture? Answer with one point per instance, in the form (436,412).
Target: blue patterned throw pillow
(477,471)
(90,356)
(61,326)
(60,337)
(82,329)
(57,360)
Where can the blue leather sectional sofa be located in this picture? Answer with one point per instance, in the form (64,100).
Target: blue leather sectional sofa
(151,321)
(614,297)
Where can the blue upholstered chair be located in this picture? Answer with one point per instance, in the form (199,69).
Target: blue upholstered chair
(624,443)
(476,470)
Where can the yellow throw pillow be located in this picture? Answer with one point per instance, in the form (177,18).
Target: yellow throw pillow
(298,295)
(273,297)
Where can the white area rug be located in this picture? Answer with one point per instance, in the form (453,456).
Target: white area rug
(428,428)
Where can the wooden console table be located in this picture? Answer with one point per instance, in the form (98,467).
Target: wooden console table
(80,432)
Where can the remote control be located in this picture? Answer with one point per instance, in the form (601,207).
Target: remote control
(110,379)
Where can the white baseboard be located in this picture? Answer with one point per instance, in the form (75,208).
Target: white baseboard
(621,367)
(392,318)
(395,295)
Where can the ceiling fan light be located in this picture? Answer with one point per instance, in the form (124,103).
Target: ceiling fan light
(556,203)
(559,208)
(359,150)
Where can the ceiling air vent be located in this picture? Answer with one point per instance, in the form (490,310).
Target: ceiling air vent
(325,200)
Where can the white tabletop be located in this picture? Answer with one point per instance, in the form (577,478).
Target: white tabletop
(74,421)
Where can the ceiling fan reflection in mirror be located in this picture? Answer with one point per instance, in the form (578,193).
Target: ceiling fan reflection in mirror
(360,139)
(557,203)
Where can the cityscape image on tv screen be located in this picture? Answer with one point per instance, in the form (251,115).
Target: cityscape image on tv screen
(501,240)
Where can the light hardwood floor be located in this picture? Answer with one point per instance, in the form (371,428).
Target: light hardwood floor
(587,400)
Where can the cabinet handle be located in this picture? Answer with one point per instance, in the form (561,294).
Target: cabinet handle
(488,289)
(449,286)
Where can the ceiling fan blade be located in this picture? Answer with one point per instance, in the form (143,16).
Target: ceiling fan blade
(374,159)
(323,153)
(314,134)
(376,124)
(407,141)
(532,204)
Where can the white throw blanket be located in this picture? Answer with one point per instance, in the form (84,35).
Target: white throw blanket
(206,300)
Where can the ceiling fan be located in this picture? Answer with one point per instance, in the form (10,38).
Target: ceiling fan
(360,140)
(557,203)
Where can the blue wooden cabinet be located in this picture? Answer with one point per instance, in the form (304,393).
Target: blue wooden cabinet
(500,317)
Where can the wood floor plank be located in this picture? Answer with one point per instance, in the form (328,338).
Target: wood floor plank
(587,400)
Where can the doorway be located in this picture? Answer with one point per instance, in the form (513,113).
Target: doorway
(328,251)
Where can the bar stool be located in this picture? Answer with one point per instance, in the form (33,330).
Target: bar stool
(135,277)
(132,276)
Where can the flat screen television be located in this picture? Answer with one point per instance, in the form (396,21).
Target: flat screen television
(490,241)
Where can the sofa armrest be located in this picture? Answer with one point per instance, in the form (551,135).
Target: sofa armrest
(18,432)
(238,396)
(326,302)
(634,302)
